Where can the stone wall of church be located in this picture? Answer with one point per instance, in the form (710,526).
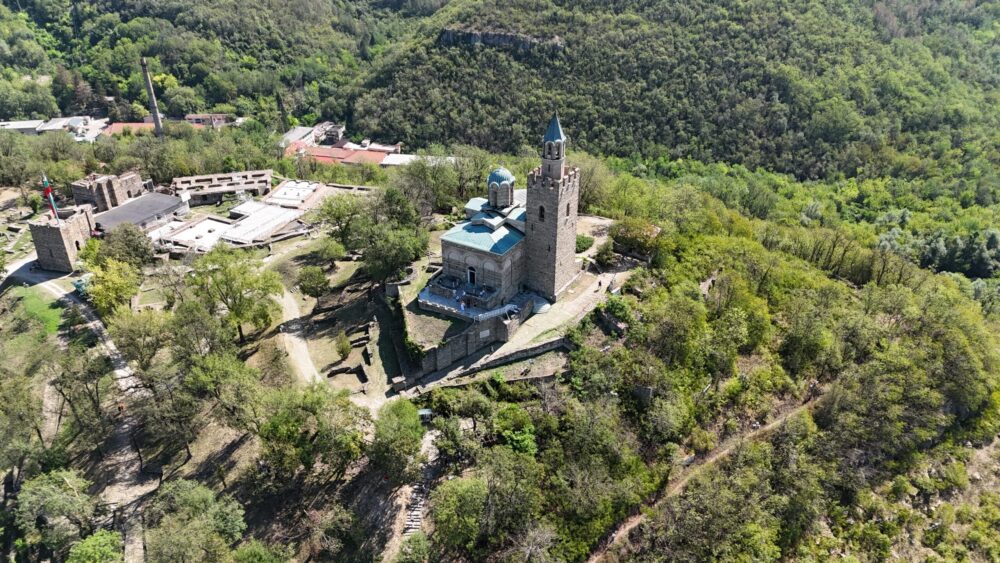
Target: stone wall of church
(504,273)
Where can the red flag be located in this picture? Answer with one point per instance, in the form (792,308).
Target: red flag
(48,195)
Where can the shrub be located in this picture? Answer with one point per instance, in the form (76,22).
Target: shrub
(343,345)
(605,254)
(583,243)
(702,441)
(331,251)
(635,235)
(415,549)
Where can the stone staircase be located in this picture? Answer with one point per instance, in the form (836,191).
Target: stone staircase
(417,506)
(415,509)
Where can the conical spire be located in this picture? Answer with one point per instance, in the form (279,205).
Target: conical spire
(555,131)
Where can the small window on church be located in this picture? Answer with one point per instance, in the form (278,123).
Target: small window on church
(472,275)
(541,213)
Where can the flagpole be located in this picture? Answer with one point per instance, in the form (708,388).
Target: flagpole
(47,190)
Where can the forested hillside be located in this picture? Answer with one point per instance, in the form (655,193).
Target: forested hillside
(807,366)
(812,88)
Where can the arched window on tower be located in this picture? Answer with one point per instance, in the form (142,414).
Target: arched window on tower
(548,149)
(541,213)
(567,209)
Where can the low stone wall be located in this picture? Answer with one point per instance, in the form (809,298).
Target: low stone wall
(392,289)
(560,343)
(475,338)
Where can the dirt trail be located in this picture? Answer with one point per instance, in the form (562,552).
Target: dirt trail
(295,345)
(676,487)
(127,487)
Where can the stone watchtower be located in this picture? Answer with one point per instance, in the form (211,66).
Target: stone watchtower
(553,197)
(59,241)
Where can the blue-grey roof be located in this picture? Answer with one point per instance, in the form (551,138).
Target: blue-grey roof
(477,204)
(482,237)
(520,214)
(555,131)
(500,175)
(139,211)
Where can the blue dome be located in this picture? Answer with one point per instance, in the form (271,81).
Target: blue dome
(499,176)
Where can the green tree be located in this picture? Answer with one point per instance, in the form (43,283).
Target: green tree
(392,250)
(605,256)
(395,449)
(113,285)
(513,493)
(343,345)
(126,243)
(188,523)
(332,251)
(90,253)
(140,335)
(347,218)
(230,279)
(195,332)
(308,427)
(457,509)
(54,509)
(233,384)
(104,546)
(20,421)
(312,281)
(515,427)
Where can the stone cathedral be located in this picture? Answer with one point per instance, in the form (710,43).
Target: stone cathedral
(515,241)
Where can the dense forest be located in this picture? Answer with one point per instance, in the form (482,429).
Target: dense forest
(830,166)
(817,89)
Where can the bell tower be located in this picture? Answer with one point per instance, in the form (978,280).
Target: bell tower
(553,197)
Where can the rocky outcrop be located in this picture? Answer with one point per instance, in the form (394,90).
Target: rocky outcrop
(504,40)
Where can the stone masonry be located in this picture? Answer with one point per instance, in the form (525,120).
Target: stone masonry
(553,198)
(58,242)
(106,191)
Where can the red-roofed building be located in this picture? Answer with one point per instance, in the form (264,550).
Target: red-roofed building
(325,155)
(365,157)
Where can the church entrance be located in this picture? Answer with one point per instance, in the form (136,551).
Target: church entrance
(472,276)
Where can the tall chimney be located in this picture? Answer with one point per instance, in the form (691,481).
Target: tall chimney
(153,106)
